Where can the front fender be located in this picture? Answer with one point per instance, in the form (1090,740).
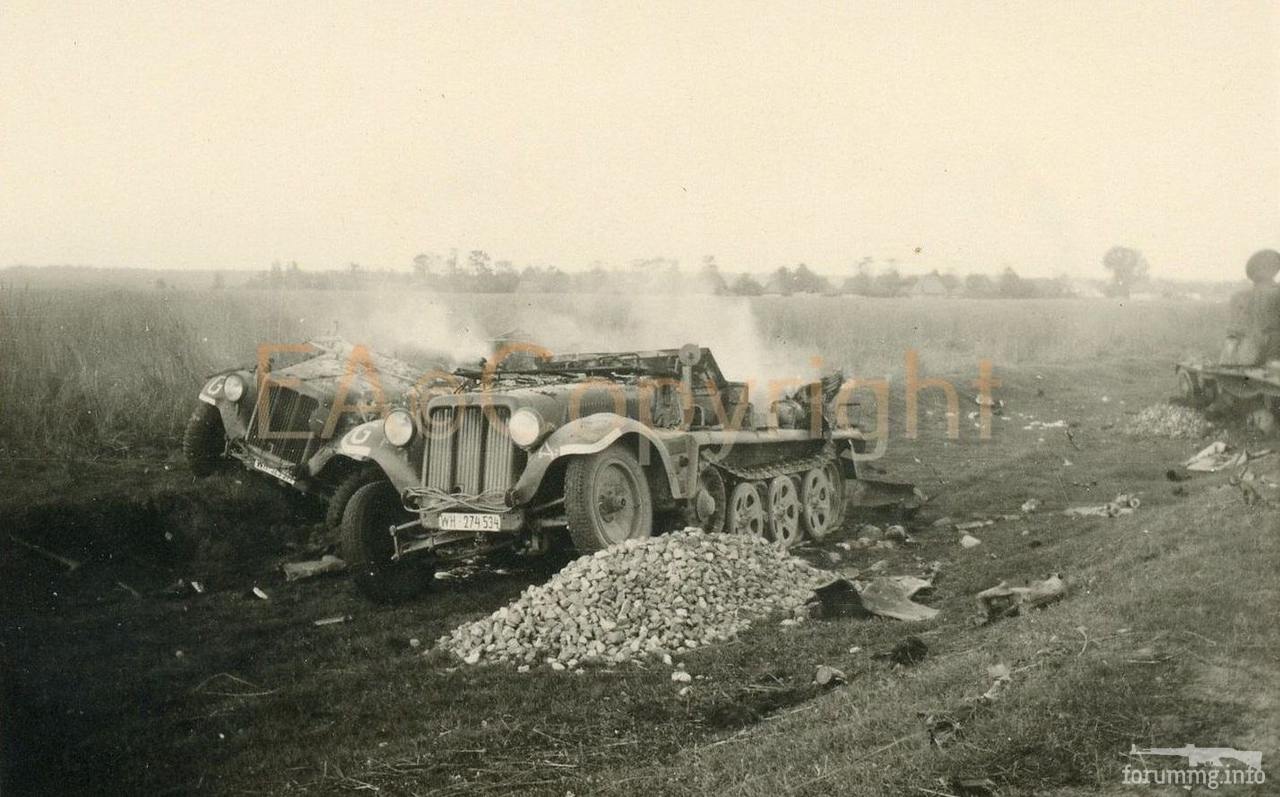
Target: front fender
(233,423)
(591,435)
(366,443)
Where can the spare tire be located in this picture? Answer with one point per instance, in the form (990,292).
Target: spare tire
(204,441)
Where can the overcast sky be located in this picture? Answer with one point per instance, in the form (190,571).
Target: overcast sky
(1031,134)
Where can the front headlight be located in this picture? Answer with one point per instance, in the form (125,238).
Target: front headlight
(398,428)
(525,427)
(233,388)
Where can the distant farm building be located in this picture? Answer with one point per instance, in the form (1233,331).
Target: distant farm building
(929,285)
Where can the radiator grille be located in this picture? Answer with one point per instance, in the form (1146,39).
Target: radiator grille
(466,453)
(287,428)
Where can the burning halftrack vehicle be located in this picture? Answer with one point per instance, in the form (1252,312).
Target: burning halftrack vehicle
(287,427)
(605,446)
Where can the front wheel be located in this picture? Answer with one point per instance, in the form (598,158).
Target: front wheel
(367,546)
(204,441)
(607,499)
(347,486)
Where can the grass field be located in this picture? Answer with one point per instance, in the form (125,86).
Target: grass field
(108,373)
(1166,637)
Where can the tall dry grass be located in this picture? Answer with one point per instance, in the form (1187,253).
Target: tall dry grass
(111,372)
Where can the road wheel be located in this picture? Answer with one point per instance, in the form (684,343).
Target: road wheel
(367,546)
(839,495)
(784,512)
(346,488)
(1189,389)
(607,499)
(711,482)
(204,441)
(746,512)
(817,495)
(1263,419)
(1208,391)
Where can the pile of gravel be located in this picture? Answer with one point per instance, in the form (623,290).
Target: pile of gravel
(1169,420)
(656,596)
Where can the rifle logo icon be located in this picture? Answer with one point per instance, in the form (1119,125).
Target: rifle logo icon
(1200,756)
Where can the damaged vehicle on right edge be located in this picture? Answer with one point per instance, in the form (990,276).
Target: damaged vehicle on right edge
(597,448)
(1245,378)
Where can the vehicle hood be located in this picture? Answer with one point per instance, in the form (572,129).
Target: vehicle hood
(322,375)
(557,402)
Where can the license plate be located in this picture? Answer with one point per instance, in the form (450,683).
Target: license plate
(279,473)
(470,521)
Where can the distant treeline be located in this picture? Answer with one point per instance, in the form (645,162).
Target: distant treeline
(477,274)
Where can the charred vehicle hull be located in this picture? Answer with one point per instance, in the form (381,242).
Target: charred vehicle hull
(598,448)
(1249,391)
(285,423)
(1245,378)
